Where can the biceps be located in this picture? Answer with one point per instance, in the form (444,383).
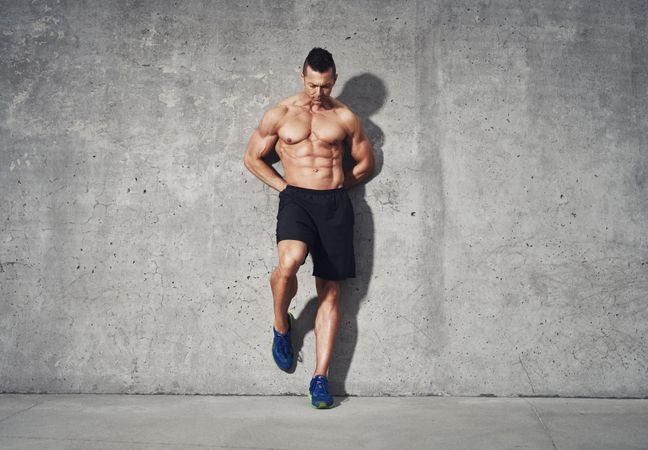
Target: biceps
(361,149)
(259,145)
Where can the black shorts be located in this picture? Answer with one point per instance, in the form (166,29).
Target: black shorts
(323,219)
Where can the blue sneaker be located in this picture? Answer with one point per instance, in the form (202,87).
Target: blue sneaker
(319,394)
(282,351)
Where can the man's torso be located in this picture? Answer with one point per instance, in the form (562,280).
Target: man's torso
(311,144)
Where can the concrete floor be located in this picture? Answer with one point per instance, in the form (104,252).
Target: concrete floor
(180,422)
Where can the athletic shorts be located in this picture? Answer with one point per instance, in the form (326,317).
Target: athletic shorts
(323,219)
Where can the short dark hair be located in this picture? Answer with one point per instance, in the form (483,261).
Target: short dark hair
(319,60)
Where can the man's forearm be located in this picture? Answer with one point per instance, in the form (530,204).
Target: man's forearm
(265,173)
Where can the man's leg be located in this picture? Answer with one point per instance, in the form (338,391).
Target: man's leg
(283,280)
(326,322)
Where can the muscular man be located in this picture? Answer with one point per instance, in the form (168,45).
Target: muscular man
(310,131)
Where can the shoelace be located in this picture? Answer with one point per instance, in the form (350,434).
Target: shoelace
(322,384)
(284,348)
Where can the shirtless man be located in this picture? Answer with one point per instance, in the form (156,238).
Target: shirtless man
(310,132)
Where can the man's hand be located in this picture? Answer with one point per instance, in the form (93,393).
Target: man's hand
(261,142)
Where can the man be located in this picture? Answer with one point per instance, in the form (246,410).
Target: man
(310,132)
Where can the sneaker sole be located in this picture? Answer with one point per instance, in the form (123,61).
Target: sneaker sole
(320,405)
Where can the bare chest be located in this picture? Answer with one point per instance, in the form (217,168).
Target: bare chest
(318,126)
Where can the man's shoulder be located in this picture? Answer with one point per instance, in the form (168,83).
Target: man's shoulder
(289,102)
(346,115)
(273,115)
(271,119)
(281,108)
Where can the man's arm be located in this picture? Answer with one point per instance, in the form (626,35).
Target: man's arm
(261,142)
(361,151)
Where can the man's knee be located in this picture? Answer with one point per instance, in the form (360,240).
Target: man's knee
(292,254)
(288,265)
(329,290)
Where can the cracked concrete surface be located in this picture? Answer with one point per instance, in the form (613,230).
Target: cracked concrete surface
(501,247)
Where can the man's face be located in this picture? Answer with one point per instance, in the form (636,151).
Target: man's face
(318,86)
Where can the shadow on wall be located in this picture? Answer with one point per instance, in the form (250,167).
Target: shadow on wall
(364,94)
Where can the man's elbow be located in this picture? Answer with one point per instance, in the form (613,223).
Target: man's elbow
(365,170)
(370,166)
(248,162)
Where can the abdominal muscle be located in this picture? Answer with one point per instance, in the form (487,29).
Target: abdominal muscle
(312,165)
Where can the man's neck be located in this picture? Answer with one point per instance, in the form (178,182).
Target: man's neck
(325,105)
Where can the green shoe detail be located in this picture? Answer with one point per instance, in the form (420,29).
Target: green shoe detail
(319,389)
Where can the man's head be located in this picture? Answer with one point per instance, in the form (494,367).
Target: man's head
(318,74)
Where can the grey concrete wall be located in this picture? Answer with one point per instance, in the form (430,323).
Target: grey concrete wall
(501,246)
